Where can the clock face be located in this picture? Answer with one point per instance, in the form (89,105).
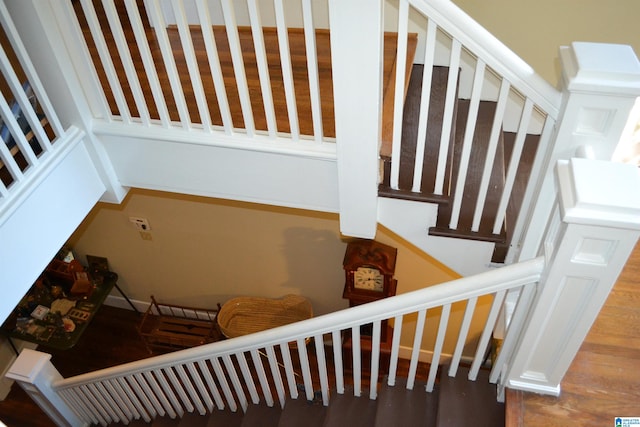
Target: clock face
(369,279)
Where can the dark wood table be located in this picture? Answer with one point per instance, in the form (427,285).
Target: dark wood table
(33,319)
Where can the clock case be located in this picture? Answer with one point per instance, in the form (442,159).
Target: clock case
(370,254)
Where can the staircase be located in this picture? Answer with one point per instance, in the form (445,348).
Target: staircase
(472,172)
(394,406)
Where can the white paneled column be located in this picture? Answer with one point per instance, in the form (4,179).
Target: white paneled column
(600,84)
(356,58)
(593,233)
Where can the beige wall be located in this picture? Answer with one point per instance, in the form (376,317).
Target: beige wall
(205,251)
(535,29)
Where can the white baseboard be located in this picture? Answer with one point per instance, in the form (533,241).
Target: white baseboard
(534,388)
(121,302)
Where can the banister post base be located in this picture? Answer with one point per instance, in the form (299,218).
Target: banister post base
(594,229)
(35,374)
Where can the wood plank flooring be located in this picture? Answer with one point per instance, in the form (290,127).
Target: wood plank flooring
(603,381)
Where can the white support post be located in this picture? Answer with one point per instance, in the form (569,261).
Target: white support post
(595,230)
(35,374)
(600,84)
(356,55)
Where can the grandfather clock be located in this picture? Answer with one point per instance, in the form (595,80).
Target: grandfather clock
(369,268)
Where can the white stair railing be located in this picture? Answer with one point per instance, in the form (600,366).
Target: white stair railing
(481,68)
(235,373)
(588,240)
(29,127)
(200,97)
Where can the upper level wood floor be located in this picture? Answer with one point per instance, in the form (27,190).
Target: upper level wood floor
(603,381)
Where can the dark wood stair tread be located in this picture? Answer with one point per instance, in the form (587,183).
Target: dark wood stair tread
(261,416)
(411,117)
(346,410)
(303,412)
(225,418)
(473,179)
(400,407)
(469,403)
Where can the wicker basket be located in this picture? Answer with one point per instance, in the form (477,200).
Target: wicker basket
(246,315)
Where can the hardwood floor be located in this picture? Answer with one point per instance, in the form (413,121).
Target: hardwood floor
(603,381)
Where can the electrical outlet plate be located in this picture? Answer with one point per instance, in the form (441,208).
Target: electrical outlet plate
(142,224)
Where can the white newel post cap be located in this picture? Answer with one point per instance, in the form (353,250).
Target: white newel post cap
(601,68)
(28,365)
(597,192)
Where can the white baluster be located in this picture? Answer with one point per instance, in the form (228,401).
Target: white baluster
(415,350)
(469,132)
(375,360)
(214,65)
(513,165)
(306,370)
(222,380)
(462,335)
(425,97)
(262,377)
(145,395)
(395,350)
(160,387)
(336,337)
(398,101)
(494,138)
(192,64)
(238,65)
(107,62)
(159,25)
(287,73)
(486,334)
(134,398)
(211,386)
(322,368)
(263,66)
(126,60)
(447,118)
(147,61)
(437,348)
(275,374)
(312,69)
(288,368)
(356,362)
(235,381)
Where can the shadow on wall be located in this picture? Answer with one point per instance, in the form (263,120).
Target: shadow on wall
(314,262)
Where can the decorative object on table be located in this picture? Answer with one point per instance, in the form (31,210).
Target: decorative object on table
(246,315)
(62,306)
(98,267)
(82,286)
(40,312)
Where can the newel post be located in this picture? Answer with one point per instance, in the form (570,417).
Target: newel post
(356,57)
(600,83)
(594,229)
(35,374)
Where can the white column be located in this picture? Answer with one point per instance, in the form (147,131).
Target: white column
(35,374)
(592,235)
(600,84)
(356,57)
